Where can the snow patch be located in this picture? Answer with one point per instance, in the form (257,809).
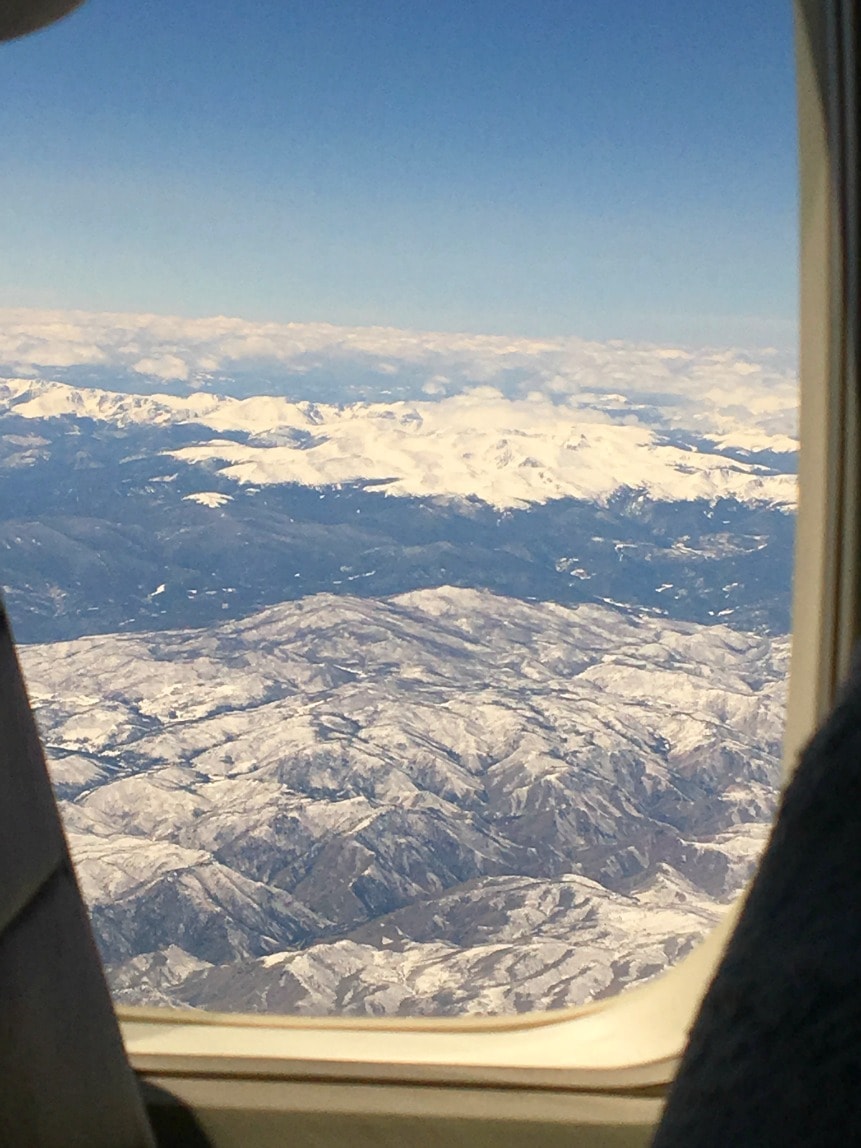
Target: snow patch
(210,498)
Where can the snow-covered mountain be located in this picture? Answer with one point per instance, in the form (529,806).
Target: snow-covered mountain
(479,444)
(106,527)
(337,780)
(509,944)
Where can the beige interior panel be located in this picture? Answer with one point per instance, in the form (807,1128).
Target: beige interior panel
(267,1114)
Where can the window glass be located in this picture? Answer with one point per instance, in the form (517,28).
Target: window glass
(397,485)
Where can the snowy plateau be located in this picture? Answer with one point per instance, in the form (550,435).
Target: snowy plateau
(458,687)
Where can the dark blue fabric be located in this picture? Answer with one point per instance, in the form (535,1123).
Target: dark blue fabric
(774,1057)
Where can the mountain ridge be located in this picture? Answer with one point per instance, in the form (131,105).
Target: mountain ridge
(506,452)
(339,760)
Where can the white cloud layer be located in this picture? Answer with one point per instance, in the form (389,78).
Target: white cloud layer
(747,398)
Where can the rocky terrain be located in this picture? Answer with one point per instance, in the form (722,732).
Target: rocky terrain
(446,780)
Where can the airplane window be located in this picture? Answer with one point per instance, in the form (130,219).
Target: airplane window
(397,486)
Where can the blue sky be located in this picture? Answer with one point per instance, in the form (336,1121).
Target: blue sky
(551,167)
